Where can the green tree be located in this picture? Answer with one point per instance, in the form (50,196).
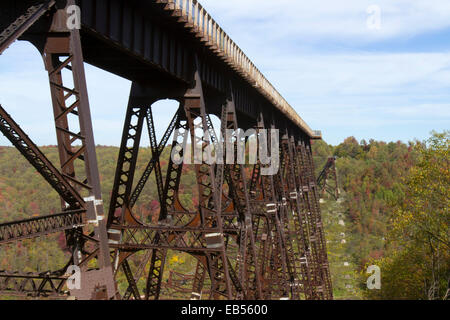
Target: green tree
(417,265)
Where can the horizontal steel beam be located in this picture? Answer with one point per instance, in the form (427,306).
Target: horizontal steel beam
(33,284)
(36,227)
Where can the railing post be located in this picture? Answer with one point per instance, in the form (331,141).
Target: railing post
(214,35)
(184,7)
(210,25)
(197,16)
(190,13)
(201,20)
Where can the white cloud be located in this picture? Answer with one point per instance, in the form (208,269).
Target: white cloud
(438,112)
(358,74)
(345,20)
(349,92)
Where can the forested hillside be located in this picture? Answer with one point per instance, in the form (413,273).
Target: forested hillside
(394,204)
(381,186)
(370,176)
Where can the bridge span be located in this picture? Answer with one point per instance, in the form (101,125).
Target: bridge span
(253,236)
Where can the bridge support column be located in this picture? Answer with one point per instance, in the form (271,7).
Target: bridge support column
(61,49)
(321,278)
(64,52)
(268,203)
(327,182)
(209,190)
(249,270)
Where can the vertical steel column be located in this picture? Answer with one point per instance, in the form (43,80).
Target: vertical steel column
(274,209)
(317,246)
(66,44)
(126,165)
(300,220)
(324,265)
(209,196)
(290,209)
(238,186)
(312,256)
(199,279)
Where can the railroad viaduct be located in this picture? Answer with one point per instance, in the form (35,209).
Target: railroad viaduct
(253,236)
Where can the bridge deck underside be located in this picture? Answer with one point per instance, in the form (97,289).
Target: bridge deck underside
(143,42)
(258,237)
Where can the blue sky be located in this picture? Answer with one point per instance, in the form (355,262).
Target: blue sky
(342,77)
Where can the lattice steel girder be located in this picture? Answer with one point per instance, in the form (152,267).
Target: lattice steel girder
(132,288)
(33,285)
(126,165)
(179,283)
(198,281)
(156,270)
(36,227)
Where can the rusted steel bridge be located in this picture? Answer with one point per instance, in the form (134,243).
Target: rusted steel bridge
(327,180)
(253,236)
